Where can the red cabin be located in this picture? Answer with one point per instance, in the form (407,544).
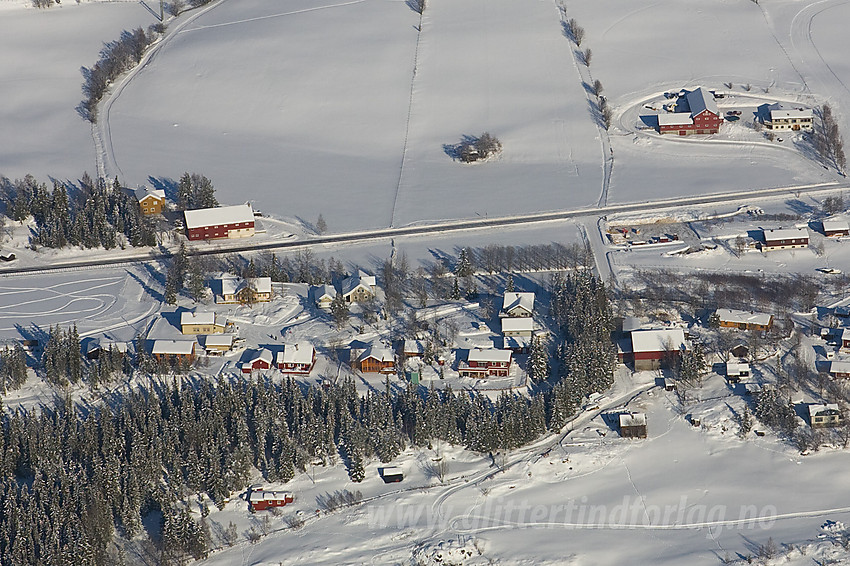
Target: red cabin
(260,499)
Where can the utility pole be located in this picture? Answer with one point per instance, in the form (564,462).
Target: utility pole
(161,11)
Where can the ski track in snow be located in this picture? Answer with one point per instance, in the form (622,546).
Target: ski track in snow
(407,122)
(270,16)
(805,47)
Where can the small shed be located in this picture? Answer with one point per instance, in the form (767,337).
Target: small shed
(633,425)
(391,474)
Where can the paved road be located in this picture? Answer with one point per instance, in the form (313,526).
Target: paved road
(383,234)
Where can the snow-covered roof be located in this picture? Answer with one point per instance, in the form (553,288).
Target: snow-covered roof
(675,119)
(658,340)
(264,355)
(197,318)
(414,347)
(778,111)
(734,368)
(391,471)
(263,495)
(513,300)
(218,216)
(839,366)
(632,419)
(379,353)
(173,347)
(355,281)
(835,226)
(260,284)
(144,192)
(232,285)
(822,410)
(700,100)
(517,324)
(320,291)
(299,353)
(744,317)
(219,340)
(785,234)
(489,355)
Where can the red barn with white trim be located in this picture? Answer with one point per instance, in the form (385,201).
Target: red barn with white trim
(221,222)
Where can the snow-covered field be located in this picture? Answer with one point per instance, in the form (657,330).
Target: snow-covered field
(344,108)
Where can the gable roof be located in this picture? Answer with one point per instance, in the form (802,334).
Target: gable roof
(218,216)
(219,340)
(632,419)
(298,353)
(658,340)
(785,234)
(264,355)
(700,100)
(525,324)
(187,317)
(513,300)
(173,347)
(321,291)
(143,192)
(823,410)
(361,279)
(379,353)
(744,317)
(839,366)
(488,355)
(835,225)
(260,284)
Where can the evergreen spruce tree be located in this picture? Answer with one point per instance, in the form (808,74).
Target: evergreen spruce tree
(339,310)
(538,360)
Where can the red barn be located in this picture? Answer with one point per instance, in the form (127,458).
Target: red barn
(260,499)
(653,349)
(700,116)
(221,222)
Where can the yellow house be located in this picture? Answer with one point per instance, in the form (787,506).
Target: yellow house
(151,201)
(201,323)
